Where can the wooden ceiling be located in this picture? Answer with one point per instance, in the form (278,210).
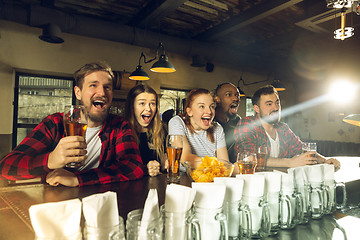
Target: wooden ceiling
(265,29)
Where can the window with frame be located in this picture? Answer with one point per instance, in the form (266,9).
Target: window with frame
(172,99)
(35,97)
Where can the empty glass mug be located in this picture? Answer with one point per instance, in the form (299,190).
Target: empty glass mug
(273,199)
(330,201)
(233,212)
(316,197)
(112,233)
(180,225)
(260,217)
(136,229)
(291,206)
(213,223)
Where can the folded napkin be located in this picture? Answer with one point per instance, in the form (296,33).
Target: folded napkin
(173,193)
(314,173)
(101,210)
(272,181)
(209,195)
(287,182)
(234,188)
(150,212)
(254,184)
(57,220)
(350,225)
(299,176)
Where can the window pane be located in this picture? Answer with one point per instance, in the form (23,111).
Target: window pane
(39,97)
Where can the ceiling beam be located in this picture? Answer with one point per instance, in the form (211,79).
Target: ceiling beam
(155,11)
(255,14)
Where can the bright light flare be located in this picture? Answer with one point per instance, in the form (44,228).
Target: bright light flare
(342,92)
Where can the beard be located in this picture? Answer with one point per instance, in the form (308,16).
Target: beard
(99,117)
(272,118)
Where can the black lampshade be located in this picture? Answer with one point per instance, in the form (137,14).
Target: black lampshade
(163,65)
(51,34)
(139,74)
(242,93)
(278,86)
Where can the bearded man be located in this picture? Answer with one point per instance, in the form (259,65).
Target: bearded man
(109,152)
(265,128)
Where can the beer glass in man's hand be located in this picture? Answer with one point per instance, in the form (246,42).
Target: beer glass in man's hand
(174,146)
(262,155)
(75,123)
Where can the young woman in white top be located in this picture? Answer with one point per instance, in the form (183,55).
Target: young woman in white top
(203,136)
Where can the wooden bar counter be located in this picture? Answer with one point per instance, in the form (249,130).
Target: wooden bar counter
(16,199)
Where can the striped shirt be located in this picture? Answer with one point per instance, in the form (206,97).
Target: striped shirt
(199,142)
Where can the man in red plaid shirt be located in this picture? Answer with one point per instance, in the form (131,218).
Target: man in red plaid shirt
(109,151)
(283,146)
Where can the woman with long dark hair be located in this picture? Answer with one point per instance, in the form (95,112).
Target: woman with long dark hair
(142,111)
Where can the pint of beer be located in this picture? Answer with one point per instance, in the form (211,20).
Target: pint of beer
(174,146)
(246,162)
(75,124)
(310,146)
(261,155)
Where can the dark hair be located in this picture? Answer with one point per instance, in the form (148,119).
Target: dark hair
(220,85)
(167,115)
(155,129)
(89,68)
(189,100)
(266,90)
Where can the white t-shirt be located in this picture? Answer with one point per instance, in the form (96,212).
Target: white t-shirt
(275,146)
(199,142)
(93,148)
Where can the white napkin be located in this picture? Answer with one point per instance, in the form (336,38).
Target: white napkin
(287,182)
(314,173)
(101,210)
(350,225)
(57,220)
(175,192)
(209,195)
(150,212)
(254,184)
(299,175)
(234,188)
(272,181)
(329,172)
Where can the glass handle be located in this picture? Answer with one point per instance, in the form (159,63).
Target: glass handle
(344,202)
(299,207)
(327,200)
(194,224)
(223,225)
(321,199)
(246,210)
(265,220)
(285,199)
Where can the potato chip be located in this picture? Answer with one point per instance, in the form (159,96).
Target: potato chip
(209,168)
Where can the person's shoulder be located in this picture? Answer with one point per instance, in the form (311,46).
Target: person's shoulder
(247,120)
(176,120)
(282,125)
(117,121)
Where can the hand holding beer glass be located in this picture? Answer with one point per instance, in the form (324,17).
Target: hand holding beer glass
(310,146)
(174,146)
(75,123)
(246,162)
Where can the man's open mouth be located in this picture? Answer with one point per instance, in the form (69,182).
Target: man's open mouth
(99,104)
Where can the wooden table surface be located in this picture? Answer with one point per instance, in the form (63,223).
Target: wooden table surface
(15,202)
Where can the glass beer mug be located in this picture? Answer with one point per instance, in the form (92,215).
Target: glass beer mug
(330,201)
(213,223)
(180,225)
(260,217)
(291,208)
(112,233)
(153,230)
(316,197)
(233,212)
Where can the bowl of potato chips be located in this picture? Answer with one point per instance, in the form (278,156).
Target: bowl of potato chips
(208,168)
